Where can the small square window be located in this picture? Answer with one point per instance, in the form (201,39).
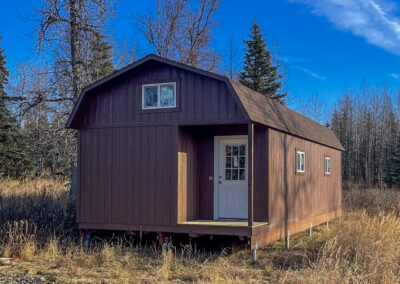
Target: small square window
(156,96)
(300,162)
(327,165)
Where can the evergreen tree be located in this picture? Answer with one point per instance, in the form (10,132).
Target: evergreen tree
(100,62)
(258,72)
(15,157)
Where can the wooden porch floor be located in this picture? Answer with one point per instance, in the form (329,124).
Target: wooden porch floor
(222,223)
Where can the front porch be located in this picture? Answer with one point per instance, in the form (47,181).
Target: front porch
(260,233)
(238,228)
(201,201)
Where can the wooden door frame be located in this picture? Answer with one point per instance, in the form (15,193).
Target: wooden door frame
(217,139)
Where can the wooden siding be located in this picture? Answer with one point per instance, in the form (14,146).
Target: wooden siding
(200,99)
(149,169)
(206,186)
(260,173)
(293,197)
(128,175)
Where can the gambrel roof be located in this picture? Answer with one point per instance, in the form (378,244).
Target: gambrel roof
(255,106)
(275,115)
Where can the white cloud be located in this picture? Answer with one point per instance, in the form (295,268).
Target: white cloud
(374,20)
(309,72)
(394,75)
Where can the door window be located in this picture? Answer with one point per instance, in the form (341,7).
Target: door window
(235,162)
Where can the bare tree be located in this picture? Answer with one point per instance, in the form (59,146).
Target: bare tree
(162,28)
(194,47)
(231,58)
(366,123)
(182,31)
(70,25)
(315,108)
(124,53)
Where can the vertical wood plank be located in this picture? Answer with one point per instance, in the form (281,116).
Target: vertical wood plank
(109,177)
(137,177)
(182,187)
(102,175)
(152,175)
(95,198)
(146,202)
(250,173)
(79,177)
(223,104)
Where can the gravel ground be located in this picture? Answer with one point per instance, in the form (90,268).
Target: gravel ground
(21,279)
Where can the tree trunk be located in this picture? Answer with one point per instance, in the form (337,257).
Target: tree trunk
(75,48)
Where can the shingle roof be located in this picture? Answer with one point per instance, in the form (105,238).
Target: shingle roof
(273,114)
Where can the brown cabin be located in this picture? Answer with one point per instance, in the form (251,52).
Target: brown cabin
(169,148)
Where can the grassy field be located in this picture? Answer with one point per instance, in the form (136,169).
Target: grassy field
(38,233)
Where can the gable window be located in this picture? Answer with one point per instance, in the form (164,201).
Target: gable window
(162,95)
(327,165)
(300,162)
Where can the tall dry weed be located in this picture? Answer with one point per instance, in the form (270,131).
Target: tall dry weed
(361,248)
(373,200)
(37,223)
(44,204)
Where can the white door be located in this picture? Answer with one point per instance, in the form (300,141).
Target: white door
(231,185)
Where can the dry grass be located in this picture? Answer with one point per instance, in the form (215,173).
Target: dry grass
(37,225)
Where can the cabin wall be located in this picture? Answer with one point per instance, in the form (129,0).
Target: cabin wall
(135,167)
(128,175)
(294,197)
(200,99)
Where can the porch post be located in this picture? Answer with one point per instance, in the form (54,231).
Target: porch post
(250,173)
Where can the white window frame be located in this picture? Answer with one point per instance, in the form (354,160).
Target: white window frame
(158,85)
(326,165)
(298,155)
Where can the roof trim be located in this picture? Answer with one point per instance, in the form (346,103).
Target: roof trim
(162,60)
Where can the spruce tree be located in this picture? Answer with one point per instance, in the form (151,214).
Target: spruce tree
(258,72)
(100,63)
(15,156)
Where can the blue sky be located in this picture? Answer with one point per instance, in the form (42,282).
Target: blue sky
(328,45)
